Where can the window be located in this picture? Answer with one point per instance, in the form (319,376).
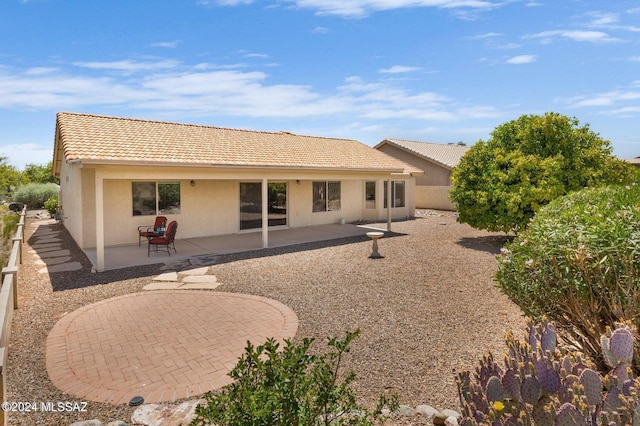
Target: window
(370,195)
(326,196)
(397,194)
(251,204)
(154,198)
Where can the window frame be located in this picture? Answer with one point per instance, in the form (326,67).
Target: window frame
(155,199)
(394,190)
(370,197)
(327,200)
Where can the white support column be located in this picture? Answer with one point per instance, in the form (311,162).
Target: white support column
(99,221)
(389,201)
(265,213)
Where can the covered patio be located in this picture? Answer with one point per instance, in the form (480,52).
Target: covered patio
(125,256)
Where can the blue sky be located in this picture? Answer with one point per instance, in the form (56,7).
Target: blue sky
(428,70)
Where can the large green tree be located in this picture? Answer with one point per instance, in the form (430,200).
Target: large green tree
(9,178)
(500,184)
(38,173)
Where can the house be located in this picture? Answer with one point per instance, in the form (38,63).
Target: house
(436,161)
(634,161)
(118,173)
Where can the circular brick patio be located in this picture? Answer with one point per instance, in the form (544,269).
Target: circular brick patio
(161,345)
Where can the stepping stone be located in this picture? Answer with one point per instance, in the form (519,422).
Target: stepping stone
(54,260)
(47,241)
(204,260)
(167,276)
(56,253)
(199,279)
(176,265)
(162,286)
(47,249)
(199,286)
(197,271)
(64,267)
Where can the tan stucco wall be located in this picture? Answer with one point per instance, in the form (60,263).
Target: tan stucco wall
(434,197)
(70,200)
(432,189)
(434,174)
(211,207)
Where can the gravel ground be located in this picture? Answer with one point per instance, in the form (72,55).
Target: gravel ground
(425,311)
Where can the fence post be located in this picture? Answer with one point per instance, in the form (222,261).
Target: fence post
(13,270)
(3,384)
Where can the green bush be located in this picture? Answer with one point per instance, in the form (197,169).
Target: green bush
(34,195)
(578,263)
(288,386)
(8,226)
(52,205)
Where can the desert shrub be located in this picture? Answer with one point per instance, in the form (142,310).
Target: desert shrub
(8,226)
(288,386)
(35,195)
(578,263)
(542,383)
(51,205)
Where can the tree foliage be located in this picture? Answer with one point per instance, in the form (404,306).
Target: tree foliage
(38,173)
(500,184)
(9,178)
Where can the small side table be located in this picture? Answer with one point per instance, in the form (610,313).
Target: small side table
(375,236)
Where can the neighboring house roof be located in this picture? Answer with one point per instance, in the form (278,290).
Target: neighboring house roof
(446,155)
(94,139)
(635,161)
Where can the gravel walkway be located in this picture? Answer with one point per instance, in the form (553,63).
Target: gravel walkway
(426,310)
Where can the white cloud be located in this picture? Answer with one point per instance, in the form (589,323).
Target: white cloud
(320,30)
(41,70)
(575,35)
(223,2)
(129,66)
(624,99)
(256,55)
(20,155)
(165,44)
(398,69)
(361,8)
(522,59)
(203,91)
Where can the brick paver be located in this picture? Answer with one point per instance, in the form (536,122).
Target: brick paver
(161,345)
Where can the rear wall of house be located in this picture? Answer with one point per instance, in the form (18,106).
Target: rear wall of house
(212,206)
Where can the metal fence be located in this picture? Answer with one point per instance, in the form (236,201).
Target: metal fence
(9,303)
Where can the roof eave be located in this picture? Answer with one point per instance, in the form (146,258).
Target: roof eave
(97,162)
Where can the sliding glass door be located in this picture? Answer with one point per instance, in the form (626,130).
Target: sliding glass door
(251,204)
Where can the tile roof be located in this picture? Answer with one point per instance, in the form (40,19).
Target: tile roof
(101,139)
(447,155)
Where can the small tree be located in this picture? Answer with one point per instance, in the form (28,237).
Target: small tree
(500,184)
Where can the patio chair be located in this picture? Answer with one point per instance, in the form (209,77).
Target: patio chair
(148,231)
(167,240)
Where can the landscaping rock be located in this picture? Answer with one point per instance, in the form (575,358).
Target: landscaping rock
(426,410)
(94,422)
(162,415)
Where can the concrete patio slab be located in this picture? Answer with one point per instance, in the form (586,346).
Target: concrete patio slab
(203,251)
